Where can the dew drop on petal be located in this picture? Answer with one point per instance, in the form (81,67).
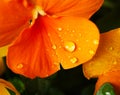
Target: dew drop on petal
(87,40)
(59,29)
(73,60)
(73,31)
(80,34)
(79,48)
(19,66)
(111,48)
(114,62)
(54,47)
(96,42)
(91,52)
(77,40)
(69,46)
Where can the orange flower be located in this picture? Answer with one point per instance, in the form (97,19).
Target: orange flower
(106,63)
(4,85)
(47,33)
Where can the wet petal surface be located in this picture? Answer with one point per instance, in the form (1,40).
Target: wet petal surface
(107,57)
(49,42)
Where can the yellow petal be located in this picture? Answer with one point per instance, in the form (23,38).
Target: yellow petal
(107,57)
(3,90)
(5,84)
(3,51)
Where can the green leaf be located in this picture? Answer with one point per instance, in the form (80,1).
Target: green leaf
(11,92)
(17,82)
(106,89)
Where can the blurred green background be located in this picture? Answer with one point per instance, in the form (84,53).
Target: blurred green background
(72,81)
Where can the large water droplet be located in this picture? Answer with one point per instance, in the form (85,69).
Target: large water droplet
(19,66)
(70,46)
(73,60)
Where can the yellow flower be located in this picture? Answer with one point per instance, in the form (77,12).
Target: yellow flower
(106,63)
(5,85)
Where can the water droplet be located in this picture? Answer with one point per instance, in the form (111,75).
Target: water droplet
(69,46)
(110,48)
(54,46)
(91,52)
(59,29)
(19,66)
(107,93)
(114,62)
(80,34)
(73,31)
(87,40)
(79,48)
(77,40)
(96,42)
(73,60)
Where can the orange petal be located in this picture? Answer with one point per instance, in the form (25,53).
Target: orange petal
(69,41)
(74,39)
(83,8)
(32,54)
(79,41)
(14,17)
(5,84)
(107,57)
(111,77)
